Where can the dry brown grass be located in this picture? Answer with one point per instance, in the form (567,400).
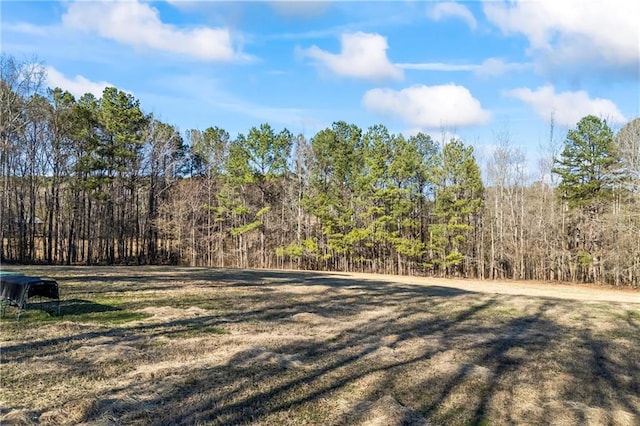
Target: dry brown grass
(196,346)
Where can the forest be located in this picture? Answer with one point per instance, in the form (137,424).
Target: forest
(100,181)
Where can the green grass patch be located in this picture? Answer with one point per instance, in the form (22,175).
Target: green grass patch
(499,312)
(633,315)
(76,310)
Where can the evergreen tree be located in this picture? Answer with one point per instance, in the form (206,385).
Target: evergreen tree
(336,164)
(459,201)
(209,151)
(586,164)
(586,168)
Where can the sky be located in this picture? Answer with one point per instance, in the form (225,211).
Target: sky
(482,71)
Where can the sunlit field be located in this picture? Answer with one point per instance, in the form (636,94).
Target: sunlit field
(161,345)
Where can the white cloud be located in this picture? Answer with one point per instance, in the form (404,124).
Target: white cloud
(452,9)
(363,55)
(490,67)
(438,66)
(572,33)
(493,67)
(77,85)
(139,24)
(25,28)
(567,107)
(446,106)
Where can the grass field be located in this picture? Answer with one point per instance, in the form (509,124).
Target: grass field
(163,346)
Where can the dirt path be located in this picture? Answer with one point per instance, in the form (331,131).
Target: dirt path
(516,288)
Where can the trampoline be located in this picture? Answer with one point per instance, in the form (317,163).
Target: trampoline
(16,289)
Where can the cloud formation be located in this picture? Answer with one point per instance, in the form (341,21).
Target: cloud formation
(570,34)
(77,85)
(362,55)
(428,107)
(493,67)
(438,66)
(138,24)
(452,9)
(489,67)
(567,108)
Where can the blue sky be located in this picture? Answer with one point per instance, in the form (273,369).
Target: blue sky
(476,70)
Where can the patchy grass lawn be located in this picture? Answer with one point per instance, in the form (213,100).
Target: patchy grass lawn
(162,346)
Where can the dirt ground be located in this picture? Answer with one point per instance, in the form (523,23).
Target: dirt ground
(588,292)
(161,345)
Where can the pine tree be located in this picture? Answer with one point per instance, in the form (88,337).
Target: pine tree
(336,165)
(459,199)
(586,168)
(586,164)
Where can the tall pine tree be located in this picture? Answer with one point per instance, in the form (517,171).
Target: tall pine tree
(586,168)
(459,201)
(586,164)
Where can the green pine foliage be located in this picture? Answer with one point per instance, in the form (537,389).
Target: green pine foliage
(459,199)
(586,165)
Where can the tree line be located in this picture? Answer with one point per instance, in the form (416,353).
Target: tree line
(99,181)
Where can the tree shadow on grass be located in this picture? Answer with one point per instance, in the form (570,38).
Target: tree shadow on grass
(610,374)
(81,307)
(510,357)
(432,354)
(61,308)
(149,278)
(263,307)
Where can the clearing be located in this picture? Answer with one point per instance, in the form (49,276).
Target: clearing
(164,345)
